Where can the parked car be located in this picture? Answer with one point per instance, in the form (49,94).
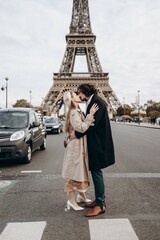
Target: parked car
(158,120)
(20,134)
(53,125)
(125,118)
(137,119)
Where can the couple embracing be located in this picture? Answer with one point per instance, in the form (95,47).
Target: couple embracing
(90,148)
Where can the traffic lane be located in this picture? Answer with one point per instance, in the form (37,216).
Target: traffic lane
(138,200)
(136,149)
(49,160)
(41,199)
(148,224)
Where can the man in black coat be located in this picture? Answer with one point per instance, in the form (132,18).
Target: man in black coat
(100,146)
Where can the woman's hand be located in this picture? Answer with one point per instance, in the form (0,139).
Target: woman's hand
(94,109)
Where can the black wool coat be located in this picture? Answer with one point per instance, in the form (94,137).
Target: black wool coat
(99,137)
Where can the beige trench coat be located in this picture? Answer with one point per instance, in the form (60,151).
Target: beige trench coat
(75,165)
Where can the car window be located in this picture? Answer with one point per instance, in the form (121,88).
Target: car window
(33,118)
(51,120)
(40,118)
(13,119)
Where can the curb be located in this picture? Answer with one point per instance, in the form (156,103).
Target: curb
(140,125)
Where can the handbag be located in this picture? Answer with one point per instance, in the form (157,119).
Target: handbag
(65,143)
(66,140)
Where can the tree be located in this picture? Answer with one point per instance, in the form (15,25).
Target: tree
(22,103)
(125,110)
(154,114)
(153,108)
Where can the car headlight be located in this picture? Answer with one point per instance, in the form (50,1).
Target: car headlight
(17,135)
(56,126)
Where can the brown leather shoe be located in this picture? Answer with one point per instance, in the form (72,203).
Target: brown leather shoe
(90,205)
(97,210)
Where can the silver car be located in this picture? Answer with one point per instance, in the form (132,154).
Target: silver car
(53,125)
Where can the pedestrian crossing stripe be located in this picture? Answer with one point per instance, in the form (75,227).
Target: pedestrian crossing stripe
(23,231)
(101,229)
(111,229)
(6,185)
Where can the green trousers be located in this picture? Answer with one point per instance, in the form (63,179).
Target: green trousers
(98,182)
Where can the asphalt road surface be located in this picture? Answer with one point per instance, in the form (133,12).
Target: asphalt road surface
(32,199)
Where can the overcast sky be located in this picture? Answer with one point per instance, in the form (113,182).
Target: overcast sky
(32,45)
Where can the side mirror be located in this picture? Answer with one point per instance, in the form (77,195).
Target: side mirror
(34,124)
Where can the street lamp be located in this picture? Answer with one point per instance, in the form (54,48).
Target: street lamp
(6,87)
(30,92)
(138,103)
(124,105)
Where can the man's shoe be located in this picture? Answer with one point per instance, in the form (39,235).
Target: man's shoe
(97,210)
(91,205)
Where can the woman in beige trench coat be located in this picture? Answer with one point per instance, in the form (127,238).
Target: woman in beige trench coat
(75,166)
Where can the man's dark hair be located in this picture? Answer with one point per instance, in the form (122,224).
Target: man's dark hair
(87,89)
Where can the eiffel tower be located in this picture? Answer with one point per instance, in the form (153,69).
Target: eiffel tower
(80,42)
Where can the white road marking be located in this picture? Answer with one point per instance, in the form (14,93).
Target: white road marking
(111,229)
(32,171)
(23,231)
(4,184)
(132,175)
(0,171)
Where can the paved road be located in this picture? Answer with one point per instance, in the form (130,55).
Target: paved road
(32,199)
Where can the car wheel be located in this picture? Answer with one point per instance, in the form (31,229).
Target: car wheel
(44,144)
(28,157)
(58,130)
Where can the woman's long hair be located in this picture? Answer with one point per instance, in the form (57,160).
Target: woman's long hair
(67,121)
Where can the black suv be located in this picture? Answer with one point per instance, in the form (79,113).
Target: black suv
(53,125)
(20,134)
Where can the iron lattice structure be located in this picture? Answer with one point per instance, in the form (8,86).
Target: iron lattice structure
(80,41)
